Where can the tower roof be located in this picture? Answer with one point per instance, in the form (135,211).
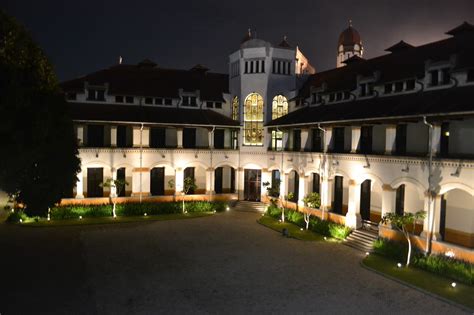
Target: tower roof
(401,45)
(349,37)
(284,43)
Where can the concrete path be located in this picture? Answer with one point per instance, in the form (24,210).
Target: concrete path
(222,264)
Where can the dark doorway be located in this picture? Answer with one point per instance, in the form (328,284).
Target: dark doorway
(400,200)
(95,136)
(219,139)
(189,138)
(157,181)
(232,180)
(317,143)
(365,200)
(189,172)
(252,183)
(316,184)
(338,195)
(218,180)
(338,140)
(297,140)
(296,186)
(366,140)
(157,138)
(121,177)
(401,140)
(95,177)
(442,219)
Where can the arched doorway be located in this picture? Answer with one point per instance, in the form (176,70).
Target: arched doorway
(293,185)
(457,218)
(224,180)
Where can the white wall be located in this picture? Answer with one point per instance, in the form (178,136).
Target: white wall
(459,211)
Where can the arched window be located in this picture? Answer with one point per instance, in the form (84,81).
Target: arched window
(279,106)
(253,119)
(235,108)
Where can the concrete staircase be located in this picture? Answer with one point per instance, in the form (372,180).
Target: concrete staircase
(249,206)
(361,239)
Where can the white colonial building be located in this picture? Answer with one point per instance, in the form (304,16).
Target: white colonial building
(389,134)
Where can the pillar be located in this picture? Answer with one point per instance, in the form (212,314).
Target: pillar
(328,141)
(433,216)
(179,138)
(304,139)
(353,219)
(355,139)
(146,137)
(210,138)
(113,136)
(240,182)
(325,193)
(390,137)
(80,135)
(178,180)
(266,177)
(302,189)
(141,181)
(283,184)
(436,139)
(80,185)
(388,199)
(141,137)
(210,181)
(113,189)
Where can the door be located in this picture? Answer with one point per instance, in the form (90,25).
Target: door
(232,180)
(297,188)
(442,219)
(400,200)
(189,172)
(121,177)
(219,138)
(252,185)
(316,185)
(95,177)
(337,202)
(157,137)
(189,137)
(157,181)
(365,200)
(218,180)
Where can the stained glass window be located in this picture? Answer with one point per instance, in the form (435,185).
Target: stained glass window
(235,108)
(279,106)
(253,119)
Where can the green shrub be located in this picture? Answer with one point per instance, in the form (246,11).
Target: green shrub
(319,226)
(274,211)
(312,200)
(338,231)
(394,250)
(455,269)
(73,212)
(295,217)
(15,217)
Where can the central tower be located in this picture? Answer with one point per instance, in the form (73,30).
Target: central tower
(349,45)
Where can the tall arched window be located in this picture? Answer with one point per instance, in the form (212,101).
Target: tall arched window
(235,108)
(279,106)
(253,119)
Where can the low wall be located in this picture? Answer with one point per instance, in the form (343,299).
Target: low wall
(437,247)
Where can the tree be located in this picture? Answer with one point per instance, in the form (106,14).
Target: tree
(189,184)
(39,163)
(402,222)
(119,185)
(313,200)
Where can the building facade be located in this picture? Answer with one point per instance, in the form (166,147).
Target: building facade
(388,134)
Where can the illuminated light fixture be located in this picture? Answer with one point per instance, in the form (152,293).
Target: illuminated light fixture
(13,210)
(399,265)
(325,238)
(145,214)
(80,217)
(263,214)
(279,220)
(450,254)
(301,229)
(446,133)
(367,253)
(227,208)
(214,211)
(453,284)
(49,219)
(21,220)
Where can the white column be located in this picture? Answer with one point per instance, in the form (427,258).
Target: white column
(266,177)
(353,219)
(210,181)
(302,189)
(141,181)
(283,190)
(178,180)
(210,139)
(113,136)
(325,193)
(433,216)
(355,139)
(328,141)
(285,140)
(388,199)
(390,137)
(113,189)
(80,185)
(80,135)
(436,139)
(136,136)
(146,137)
(240,182)
(179,137)
(304,139)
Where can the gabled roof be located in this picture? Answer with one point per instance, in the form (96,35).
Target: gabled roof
(401,45)
(147,79)
(461,29)
(437,102)
(148,114)
(353,59)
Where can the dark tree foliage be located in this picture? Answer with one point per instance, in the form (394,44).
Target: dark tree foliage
(38,152)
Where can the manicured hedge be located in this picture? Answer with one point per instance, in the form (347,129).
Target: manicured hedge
(445,266)
(317,225)
(124,209)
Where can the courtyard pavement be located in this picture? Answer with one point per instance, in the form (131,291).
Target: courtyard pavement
(226,263)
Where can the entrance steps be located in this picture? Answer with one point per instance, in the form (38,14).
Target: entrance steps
(361,239)
(249,206)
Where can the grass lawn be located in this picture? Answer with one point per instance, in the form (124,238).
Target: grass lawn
(119,219)
(462,294)
(293,230)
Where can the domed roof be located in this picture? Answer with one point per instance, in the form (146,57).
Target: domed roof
(349,37)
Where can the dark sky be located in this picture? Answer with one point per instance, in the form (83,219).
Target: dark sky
(83,36)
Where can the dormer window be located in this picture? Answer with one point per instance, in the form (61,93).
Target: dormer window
(388,88)
(399,86)
(218,105)
(347,95)
(129,99)
(470,75)
(158,101)
(149,100)
(410,85)
(331,97)
(363,89)
(96,95)
(209,104)
(168,101)
(434,78)
(339,96)
(118,99)
(189,101)
(445,76)
(71,96)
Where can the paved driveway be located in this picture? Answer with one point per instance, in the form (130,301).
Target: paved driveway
(221,264)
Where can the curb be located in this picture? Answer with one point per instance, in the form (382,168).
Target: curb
(436,296)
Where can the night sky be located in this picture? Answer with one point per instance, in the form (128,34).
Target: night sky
(83,36)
